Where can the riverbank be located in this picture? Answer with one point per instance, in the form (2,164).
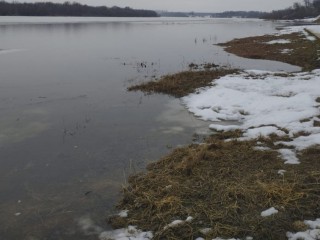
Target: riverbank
(256,179)
(298,46)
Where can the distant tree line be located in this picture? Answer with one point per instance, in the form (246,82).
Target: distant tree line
(69,9)
(241,14)
(297,11)
(228,14)
(173,14)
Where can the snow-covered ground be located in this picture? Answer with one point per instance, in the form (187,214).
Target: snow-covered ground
(279,41)
(263,103)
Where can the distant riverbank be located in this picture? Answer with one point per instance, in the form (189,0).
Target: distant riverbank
(69,9)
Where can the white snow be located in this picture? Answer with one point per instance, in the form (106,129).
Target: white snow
(174,224)
(261,148)
(313,224)
(314,29)
(178,222)
(130,233)
(286,51)
(279,41)
(311,19)
(189,219)
(313,233)
(301,29)
(289,156)
(123,213)
(263,103)
(269,212)
(282,172)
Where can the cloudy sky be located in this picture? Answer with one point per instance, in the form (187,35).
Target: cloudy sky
(190,5)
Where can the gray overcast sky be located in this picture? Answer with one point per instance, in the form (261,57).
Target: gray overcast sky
(190,5)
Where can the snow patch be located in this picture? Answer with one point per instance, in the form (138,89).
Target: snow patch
(261,148)
(175,223)
(286,51)
(279,41)
(263,103)
(313,233)
(289,156)
(123,213)
(269,212)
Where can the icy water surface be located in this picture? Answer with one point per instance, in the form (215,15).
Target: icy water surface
(70,133)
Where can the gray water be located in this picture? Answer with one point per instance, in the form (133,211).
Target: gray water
(70,133)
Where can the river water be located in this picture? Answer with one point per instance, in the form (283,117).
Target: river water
(70,133)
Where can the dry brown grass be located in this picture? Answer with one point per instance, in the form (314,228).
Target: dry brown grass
(224,186)
(304,53)
(183,83)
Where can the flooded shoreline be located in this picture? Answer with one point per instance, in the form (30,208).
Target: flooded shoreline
(71,133)
(244,173)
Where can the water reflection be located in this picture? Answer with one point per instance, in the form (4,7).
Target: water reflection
(68,28)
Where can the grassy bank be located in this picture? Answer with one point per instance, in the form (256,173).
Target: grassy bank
(224,186)
(298,50)
(183,83)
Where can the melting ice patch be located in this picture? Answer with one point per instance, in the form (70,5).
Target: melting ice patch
(264,103)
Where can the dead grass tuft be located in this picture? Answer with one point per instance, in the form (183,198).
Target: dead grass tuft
(183,83)
(225,186)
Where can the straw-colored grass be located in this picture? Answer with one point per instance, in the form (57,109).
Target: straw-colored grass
(224,186)
(183,83)
(302,52)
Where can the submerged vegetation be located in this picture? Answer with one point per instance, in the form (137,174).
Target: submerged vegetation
(296,50)
(224,187)
(183,83)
